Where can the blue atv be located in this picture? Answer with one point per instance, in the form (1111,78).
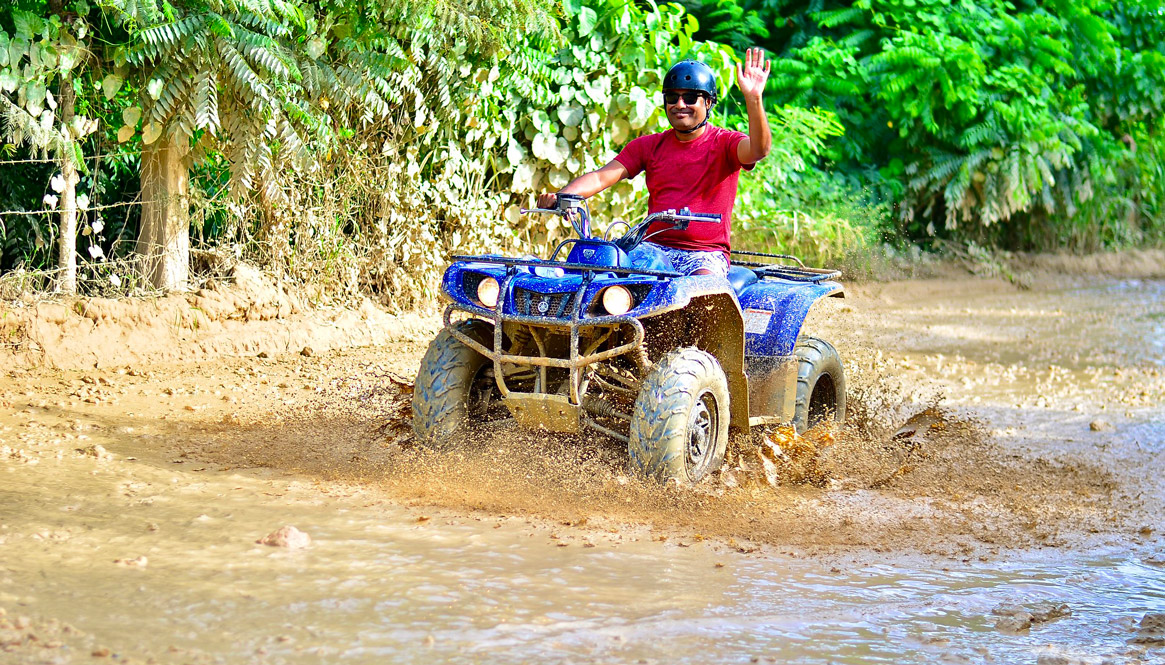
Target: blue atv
(668,364)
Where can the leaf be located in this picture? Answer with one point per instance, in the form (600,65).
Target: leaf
(80,127)
(110,85)
(559,151)
(131,114)
(525,177)
(68,58)
(57,183)
(315,48)
(620,131)
(16,51)
(28,25)
(154,87)
(571,115)
(34,96)
(587,18)
(515,153)
(8,81)
(150,132)
(125,133)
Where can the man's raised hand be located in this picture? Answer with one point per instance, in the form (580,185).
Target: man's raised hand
(753,73)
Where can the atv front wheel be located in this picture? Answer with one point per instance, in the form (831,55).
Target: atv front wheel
(820,384)
(454,384)
(679,427)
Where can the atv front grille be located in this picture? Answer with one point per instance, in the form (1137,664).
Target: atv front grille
(551,305)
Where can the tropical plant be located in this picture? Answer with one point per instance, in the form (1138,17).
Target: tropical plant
(973,114)
(43,53)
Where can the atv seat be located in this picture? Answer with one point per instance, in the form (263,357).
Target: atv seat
(740,278)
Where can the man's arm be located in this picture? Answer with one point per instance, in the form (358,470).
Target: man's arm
(588,184)
(751,78)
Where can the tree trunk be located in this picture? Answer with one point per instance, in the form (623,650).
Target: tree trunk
(164,240)
(67,248)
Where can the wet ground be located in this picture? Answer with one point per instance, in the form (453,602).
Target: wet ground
(1021,522)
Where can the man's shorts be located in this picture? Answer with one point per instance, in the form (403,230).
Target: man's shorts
(679,260)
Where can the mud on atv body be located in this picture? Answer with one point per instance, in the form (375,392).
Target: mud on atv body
(691,357)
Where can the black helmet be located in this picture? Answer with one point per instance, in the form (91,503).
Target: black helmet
(691,75)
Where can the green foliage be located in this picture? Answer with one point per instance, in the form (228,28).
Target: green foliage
(526,119)
(357,145)
(972,113)
(576,111)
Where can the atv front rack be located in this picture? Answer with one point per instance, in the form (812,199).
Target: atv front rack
(797,273)
(539,263)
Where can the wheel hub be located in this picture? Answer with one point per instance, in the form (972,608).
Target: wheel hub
(702,429)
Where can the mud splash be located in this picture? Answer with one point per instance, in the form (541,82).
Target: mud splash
(939,484)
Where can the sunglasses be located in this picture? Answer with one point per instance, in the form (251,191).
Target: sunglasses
(688,97)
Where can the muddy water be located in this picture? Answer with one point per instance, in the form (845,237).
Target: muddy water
(145,548)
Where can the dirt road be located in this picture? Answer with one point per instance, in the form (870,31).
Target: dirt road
(997,434)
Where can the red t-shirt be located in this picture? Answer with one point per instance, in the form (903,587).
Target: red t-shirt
(700,175)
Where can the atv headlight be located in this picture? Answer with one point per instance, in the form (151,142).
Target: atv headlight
(617,300)
(487,292)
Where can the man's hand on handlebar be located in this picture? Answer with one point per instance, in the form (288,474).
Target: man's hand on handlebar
(548,201)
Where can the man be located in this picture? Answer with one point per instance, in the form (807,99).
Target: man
(694,165)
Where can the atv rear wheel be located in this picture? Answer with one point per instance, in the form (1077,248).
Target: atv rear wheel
(454,385)
(679,427)
(820,384)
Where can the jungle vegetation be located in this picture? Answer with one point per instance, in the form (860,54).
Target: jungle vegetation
(354,145)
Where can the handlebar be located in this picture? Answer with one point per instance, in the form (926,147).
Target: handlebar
(574,208)
(681,215)
(526,211)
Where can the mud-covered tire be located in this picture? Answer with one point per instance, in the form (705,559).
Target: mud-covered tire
(446,384)
(684,398)
(820,384)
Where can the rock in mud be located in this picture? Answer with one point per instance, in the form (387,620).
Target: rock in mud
(1064,658)
(1014,623)
(1151,630)
(287,536)
(1018,618)
(307,352)
(1043,612)
(138,562)
(97,451)
(1099,425)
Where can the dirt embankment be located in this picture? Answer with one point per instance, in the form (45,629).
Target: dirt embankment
(1131,264)
(248,314)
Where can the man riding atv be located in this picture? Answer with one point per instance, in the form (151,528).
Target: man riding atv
(694,165)
(664,347)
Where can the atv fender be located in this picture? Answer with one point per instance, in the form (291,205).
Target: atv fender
(774,312)
(703,312)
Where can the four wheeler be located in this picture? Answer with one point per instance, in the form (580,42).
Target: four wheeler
(664,362)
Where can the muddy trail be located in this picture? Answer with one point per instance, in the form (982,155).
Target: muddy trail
(996,434)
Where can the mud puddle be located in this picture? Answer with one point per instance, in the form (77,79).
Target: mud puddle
(173,574)
(131,500)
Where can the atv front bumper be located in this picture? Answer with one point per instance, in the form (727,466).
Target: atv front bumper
(575,362)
